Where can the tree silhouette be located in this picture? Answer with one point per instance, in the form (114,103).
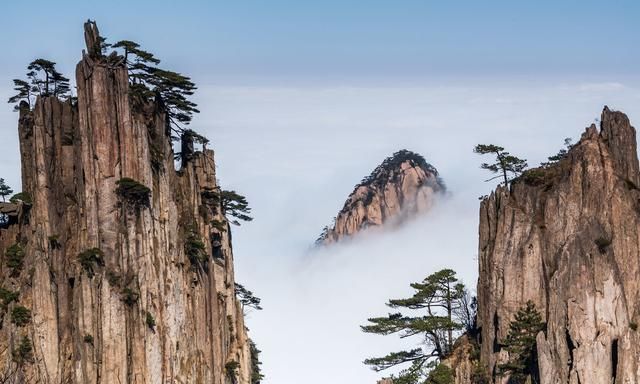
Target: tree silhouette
(5,190)
(235,205)
(246,297)
(505,163)
(438,299)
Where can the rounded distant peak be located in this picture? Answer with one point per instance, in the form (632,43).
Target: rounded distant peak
(402,186)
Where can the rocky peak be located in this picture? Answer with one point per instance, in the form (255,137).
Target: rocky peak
(402,186)
(119,269)
(565,236)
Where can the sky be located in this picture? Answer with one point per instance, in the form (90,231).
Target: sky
(302,99)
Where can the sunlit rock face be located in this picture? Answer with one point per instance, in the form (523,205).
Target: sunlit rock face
(136,308)
(403,186)
(566,237)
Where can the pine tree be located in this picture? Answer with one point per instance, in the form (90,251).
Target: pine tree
(256,370)
(25,92)
(5,190)
(562,153)
(505,163)
(235,205)
(246,297)
(148,80)
(438,300)
(521,345)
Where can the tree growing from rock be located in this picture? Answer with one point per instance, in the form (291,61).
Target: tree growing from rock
(148,80)
(43,79)
(5,189)
(521,345)
(506,165)
(235,205)
(247,298)
(436,318)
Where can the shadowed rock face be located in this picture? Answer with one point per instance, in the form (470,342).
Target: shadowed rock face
(566,237)
(90,315)
(403,186)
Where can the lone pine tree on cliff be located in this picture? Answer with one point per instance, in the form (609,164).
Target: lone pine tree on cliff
(43,79)
(436,318)
(505,164)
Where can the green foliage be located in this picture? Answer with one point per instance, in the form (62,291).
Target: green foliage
(25,197)
(221,226)
(5,190)
(438,300)
(54,242)
(256,370)
(479,375)
(113,278)
(133,193)
(43,79)
(602,243)
(15,256)
(194,247)
(504,164)
(246,297)
(90,259)
(151,321)
(562,153)
(88,339)
(521,344)
(235,205)
(441,374)
(7,297)
(23,352)
(20,316)
(148,81)
(231,368)
(129,296)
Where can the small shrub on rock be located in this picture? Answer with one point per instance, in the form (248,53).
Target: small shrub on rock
(151,321)
(90,259)
(20,316)
(130,296)
(133,193)
(15,256)
(88,339)
(23,352)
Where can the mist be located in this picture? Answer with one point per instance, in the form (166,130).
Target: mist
(296,153)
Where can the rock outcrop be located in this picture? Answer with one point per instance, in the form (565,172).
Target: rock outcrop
(120,270)
(566,237)
(403,186)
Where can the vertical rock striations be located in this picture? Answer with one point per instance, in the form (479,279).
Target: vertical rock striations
(123,263)
(403,186)
(566,237)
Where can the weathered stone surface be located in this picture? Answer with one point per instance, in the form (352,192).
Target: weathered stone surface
(89,318)
(567,238)
(403,186)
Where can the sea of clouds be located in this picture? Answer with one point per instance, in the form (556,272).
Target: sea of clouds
(297,152)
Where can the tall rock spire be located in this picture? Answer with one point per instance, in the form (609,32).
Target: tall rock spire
(124,275)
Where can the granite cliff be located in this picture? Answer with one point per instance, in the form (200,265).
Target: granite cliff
(403,186)
(565,236)
(116,268)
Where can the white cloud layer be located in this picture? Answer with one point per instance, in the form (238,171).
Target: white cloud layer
(296,153)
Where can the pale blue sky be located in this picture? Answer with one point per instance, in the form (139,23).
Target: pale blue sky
(522,74)
(292,40)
